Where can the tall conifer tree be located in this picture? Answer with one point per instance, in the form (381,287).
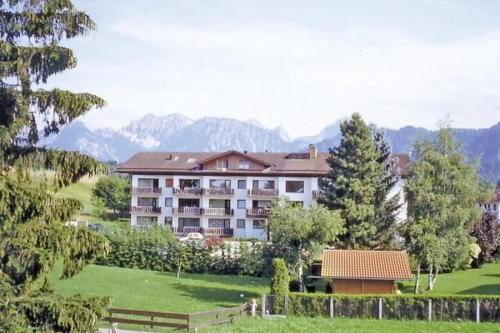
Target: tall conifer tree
(32,231)
(358,185)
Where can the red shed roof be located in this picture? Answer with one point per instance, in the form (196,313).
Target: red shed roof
(363,264)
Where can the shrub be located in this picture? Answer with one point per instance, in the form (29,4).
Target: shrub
(280,278)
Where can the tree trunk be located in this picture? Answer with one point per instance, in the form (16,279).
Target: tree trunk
(179,270)
(417,281)
(430,280)
(300,271)
(434,278)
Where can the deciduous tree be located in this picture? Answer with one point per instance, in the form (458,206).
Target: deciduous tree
(442,193)
(114,191)
(302,232)
(487,233)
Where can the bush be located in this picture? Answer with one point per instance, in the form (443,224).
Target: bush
(406,307)
(280,278)
(156,249)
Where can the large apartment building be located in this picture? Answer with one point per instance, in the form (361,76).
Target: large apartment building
(223,194)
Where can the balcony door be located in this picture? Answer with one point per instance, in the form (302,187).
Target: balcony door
(219,203)
(147,202)
(189,183)
(263,184)
(191,203)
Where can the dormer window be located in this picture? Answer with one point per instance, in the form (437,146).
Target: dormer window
(222,164)
(245,164)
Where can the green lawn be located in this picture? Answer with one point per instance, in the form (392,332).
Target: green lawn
(485,280)
(299,325)
(81,191)
(149,290)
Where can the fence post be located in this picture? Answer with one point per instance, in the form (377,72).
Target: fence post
(429,309)
(253,307)
(286,305)
(263,310)
(331,307)
(380,308)
(478,311)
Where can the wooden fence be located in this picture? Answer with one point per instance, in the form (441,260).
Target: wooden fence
(188,321)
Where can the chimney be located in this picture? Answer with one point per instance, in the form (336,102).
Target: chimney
(313,151)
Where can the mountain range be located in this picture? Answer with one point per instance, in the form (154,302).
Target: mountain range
(176,132)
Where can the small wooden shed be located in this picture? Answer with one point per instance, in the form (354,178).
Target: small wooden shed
(363,271)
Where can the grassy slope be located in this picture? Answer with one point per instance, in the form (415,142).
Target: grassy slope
(298,325)
(470,282)
(149,290)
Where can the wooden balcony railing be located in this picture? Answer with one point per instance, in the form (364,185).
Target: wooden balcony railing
(218,211)
(218,191)
(319,194)
(273,192)
(146,190)
(145,209)
(188,191)
(223,232)
(187,210)
(185,230)
(258,212)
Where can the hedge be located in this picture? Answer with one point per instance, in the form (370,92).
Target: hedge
(406,307)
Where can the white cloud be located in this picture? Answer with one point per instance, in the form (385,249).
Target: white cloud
(296,76)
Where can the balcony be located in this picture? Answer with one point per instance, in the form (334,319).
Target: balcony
(258,212)
(221,232)
(218,211)
(188,191)
(318,194)
(218,191)
(147,190)
(145,210)
(187,210)
(185,230)
(263,192)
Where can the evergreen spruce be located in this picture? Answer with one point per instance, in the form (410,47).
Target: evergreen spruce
(358,184)
(32,231)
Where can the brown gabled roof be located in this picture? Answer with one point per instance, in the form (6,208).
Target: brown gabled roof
(186,162)
(278,163)
(364,264)
(230,152)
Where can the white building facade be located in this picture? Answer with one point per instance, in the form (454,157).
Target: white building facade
(222,194)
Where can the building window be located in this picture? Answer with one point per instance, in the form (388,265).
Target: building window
(145,182)
(146,202)
(259,224)
(240,224)
(146,221)
(263,184)
(242,204)
(188,222)
(222,164)
(183,183)
(219,223)
(294,186)
(167,221)
(220,183)
(242,184)
(169,183)
(245,164)
(168,202)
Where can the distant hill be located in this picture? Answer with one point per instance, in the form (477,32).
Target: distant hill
(179,133)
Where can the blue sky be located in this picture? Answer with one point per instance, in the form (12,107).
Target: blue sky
(296,64)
